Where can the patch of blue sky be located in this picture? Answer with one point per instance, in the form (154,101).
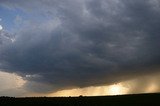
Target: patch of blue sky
(9,15)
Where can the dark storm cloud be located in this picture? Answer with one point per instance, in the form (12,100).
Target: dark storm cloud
(89,42)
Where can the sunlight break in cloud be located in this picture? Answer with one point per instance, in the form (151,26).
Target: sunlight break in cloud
(11,84)
(1,27)
(143,84)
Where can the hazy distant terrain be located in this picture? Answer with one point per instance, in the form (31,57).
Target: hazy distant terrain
(129,100)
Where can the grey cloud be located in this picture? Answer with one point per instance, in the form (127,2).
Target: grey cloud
(95,42)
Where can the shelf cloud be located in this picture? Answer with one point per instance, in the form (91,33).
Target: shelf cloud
(81,43)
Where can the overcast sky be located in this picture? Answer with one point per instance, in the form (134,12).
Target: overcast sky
(56,45)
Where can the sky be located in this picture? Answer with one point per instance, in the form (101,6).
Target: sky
(79,47)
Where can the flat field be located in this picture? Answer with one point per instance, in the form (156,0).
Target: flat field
(119,100)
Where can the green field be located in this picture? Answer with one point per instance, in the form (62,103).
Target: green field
(123,100)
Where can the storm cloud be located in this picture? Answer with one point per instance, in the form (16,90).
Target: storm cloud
(81,43)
